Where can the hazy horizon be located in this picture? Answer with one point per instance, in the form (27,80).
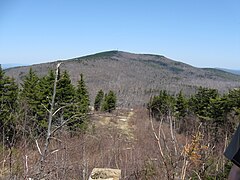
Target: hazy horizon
(200,33)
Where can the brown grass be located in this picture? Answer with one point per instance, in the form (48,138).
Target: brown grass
(122,140)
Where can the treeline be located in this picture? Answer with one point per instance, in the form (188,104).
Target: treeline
(25,109)
(217,113)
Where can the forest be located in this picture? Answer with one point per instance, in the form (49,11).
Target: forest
(48,131)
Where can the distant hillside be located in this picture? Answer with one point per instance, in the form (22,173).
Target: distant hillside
(231,71)
(5,66)
(135,77)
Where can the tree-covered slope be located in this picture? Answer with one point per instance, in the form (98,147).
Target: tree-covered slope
(135,77)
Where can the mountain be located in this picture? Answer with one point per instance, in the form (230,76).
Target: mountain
(233,71)
(5,66)
(135,77)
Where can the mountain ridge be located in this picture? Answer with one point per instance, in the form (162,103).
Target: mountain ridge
(8,66)
(233,71)
(135,77)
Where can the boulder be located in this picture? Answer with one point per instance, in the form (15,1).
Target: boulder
(105,174)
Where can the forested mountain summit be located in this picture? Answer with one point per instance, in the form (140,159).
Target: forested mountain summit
(135,77)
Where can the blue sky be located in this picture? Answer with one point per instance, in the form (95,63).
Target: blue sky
(203,33)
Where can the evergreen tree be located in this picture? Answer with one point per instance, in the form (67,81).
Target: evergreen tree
(1,77)
(65,97)
(162,105)
(217,109)
(233,98)
(181,106)
(65,89)
(31,97)
(98,100)
(232,105)
(82,96)
(200,102)
(81,107)
(30,90)
(36,95)
(109,103)
(46,85)
(111,100)
(45,92)
(104,105)
(9,106)
(181,111)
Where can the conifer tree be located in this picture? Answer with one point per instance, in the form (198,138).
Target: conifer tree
(82,96)
(111,100)
(104,105)
(31,95)
(162,105)
(9,105)
(65,97)
(30,91)
(233,98)
(200,102)
(65,89)
(45,91)
(46,86)
(181,106)
(81,106)
(1,77)
(98,100)
(109,103)
(181,111)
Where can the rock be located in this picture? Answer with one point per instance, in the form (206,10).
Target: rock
(105,174)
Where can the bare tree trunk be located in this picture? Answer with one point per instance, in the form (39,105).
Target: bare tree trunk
(172,133)
(158,139)
(50,117)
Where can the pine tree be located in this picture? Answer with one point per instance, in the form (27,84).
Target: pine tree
(65,89)
(46,85)
(30,91)
(1,77)
(45,91)
(109,103)
(181,106)
(82,96)
(111,100)
(32,99)
(181,111)
(65,97)
(233,98)
(81,107)
(104,105)
(200,102)
(162,105)
(98,100)
(9,106)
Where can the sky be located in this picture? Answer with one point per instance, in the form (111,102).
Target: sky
(202,33)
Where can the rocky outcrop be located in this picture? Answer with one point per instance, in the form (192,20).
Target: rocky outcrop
(105,174)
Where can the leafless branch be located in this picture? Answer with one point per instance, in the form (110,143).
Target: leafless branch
(50,117)
(65,122)
(39,150)
(58,110)
(45,107)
